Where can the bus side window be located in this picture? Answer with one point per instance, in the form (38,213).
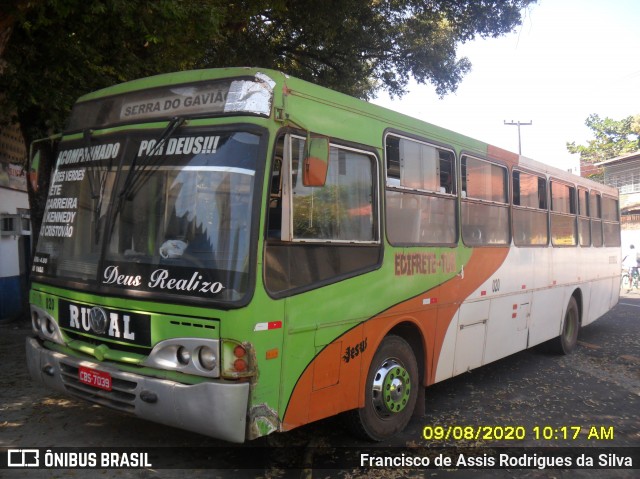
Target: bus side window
(392,150)
(342,210)
(317,235)
(530,227)
(595,212)
(563,214)
(447,172)
(584,228)
(274,220)
(420,201)
(484,207)
(610,221)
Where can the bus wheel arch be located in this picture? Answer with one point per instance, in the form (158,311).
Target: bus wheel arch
(391,390)
(412,335)
(577,294)
(568,339)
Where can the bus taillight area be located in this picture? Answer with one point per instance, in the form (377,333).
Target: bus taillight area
(238,360)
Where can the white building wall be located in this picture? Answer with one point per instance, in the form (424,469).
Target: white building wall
(12,278)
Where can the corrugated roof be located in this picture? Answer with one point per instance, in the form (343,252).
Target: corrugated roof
(628,156)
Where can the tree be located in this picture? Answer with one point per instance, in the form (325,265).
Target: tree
(61,49)
(612,138)
(359,47)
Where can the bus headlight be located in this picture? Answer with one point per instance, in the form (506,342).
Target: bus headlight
(45,326)
(183,355)
(207,358)
(187,355)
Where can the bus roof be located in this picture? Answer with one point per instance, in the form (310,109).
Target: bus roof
(287,85)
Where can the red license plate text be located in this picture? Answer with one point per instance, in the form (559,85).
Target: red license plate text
(97,379)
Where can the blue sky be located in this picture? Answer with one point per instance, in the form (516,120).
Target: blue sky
(568,59)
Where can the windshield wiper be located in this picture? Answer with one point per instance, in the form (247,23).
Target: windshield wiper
(97,194)
(134,180)
(86,138)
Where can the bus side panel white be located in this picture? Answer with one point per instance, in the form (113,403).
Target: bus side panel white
(600,299)
(507,326)
(510,315)
(444,368)
(615,291)
(547,310)
(523,265)
(471,336)
(542,274)
(587,290)
(564,265)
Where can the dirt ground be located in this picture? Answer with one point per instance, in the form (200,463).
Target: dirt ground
(598,385)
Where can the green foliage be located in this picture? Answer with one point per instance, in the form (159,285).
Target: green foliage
(61,49)
(359,47)
(612,138)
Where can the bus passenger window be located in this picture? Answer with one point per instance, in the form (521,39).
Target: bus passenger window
(341,210)
(584,228)
(595,212)
(563,210)
(419,166)
(320,234)
(420,206)
(610,221)
(447,172)
(530,227)
(393,161)
(484,209)
(274,220)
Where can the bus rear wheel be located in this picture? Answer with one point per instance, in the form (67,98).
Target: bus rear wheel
(568,339)
(391,392)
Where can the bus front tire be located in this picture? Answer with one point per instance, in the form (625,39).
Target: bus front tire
(391,392)
(568,339)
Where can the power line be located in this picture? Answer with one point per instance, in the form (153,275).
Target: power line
(518,124)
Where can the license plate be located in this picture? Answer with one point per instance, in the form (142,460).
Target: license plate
(95,378)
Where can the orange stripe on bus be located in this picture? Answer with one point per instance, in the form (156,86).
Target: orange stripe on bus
(504,155)
(335,380)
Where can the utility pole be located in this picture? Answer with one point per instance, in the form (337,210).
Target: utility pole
(518,124)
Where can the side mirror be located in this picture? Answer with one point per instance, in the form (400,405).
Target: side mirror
(41,162)
(316,161)
(34,167)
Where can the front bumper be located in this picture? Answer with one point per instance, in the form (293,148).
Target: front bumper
(214,409)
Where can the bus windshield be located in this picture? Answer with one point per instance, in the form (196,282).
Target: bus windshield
(169,218)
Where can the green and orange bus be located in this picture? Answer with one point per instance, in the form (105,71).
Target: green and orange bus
(237,252)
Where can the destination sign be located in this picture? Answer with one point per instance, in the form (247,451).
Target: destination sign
(179,101)
(253,95)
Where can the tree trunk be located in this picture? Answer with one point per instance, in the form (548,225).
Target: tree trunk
(6,28)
